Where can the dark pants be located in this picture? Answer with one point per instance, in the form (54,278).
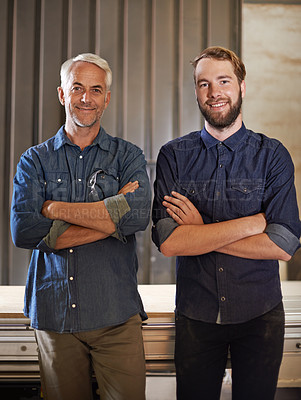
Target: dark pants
(256,349)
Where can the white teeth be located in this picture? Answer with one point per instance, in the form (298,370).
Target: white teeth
(218,105)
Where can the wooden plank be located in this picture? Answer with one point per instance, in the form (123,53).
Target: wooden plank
(11,301)
(157,299)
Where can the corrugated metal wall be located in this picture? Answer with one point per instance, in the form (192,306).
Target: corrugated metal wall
(148,44)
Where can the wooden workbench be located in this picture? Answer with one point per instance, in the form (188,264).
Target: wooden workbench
(157,300)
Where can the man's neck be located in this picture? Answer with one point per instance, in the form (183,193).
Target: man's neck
(80,136)
(223,133)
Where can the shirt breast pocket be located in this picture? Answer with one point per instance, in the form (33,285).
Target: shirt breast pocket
(57,186)
(196,192)
(103,184)
(246,197)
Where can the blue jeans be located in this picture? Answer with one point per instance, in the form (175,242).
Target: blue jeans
(255,347)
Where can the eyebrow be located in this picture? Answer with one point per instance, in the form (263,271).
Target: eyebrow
(225,77)
(94,86)
(218,78)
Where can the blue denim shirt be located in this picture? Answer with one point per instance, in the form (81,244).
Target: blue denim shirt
(246,174)
(94,285)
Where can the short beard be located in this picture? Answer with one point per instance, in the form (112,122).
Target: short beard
(221,122)
(82,125)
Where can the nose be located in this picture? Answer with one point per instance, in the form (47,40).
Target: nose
(85,97)
(214,90)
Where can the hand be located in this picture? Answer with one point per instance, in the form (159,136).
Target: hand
(182,210)
(129,188)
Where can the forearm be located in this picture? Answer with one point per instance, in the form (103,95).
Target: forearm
(191,240)
(76,236)
(257,247)
(88,215)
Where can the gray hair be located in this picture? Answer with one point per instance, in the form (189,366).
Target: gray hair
(86,57)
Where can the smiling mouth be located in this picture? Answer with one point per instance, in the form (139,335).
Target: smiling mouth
(85,109)
(218,105)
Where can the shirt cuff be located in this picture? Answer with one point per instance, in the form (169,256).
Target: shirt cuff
(47,244)
(162,230)
(57,229)
(117,207)
(283,238)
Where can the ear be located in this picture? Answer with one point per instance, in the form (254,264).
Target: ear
(107,99)
(61,95)
(243,88)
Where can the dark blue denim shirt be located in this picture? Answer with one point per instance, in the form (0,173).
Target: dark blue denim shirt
(246,174)
(94,285)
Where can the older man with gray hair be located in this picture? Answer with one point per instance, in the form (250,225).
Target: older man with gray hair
(79,198)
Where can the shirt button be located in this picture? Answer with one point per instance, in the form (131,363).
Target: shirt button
(59,180)
(71,251)
(71,278)
(73,305)
(79,180)
(80,156)
(223,298)
(221,165)
(221,269)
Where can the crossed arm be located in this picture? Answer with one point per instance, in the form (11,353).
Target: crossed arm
(89,221)
(242,237)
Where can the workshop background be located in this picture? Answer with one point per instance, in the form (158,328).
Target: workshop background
(149,45)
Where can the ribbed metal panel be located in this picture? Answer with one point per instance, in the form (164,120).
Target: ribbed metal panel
(149,45)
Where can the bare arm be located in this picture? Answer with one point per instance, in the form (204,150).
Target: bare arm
(255,246)
(193,237)
(77,235)
(88,215)
(191,240)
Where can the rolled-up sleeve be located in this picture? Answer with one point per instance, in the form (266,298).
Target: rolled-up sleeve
(131,212)
(117,207)
(283,238)
(162,230)
(280,204)
(163,224)
(48,243)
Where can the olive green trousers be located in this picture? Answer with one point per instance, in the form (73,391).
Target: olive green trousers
(115,355)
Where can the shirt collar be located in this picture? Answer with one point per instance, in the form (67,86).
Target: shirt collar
(231,142)
(61,139)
